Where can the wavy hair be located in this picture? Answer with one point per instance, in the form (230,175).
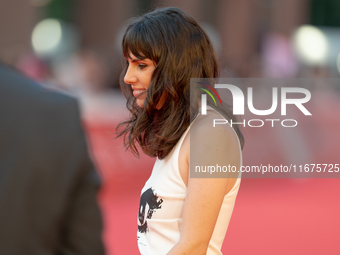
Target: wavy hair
(181,50)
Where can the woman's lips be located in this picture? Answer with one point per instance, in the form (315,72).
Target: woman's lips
(137,92)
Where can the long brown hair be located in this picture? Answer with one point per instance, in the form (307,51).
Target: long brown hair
(181,50)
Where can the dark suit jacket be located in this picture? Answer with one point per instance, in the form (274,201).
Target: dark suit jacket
(48,184)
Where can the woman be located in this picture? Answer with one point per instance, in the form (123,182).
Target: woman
(177,214)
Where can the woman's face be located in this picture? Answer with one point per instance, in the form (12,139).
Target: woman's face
(138,75)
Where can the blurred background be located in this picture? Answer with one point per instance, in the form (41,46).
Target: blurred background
(73,46)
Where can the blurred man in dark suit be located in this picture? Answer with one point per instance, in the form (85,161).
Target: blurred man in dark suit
(48,184)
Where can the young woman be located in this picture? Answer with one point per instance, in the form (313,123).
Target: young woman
(177,214)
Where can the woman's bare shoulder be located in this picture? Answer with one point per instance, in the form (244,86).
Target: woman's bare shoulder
(210,127)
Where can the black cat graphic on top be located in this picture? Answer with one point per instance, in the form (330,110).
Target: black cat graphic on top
(149,203)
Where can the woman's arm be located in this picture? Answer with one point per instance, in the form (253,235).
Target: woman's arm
(209,146)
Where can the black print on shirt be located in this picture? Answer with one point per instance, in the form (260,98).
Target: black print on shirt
(149,202)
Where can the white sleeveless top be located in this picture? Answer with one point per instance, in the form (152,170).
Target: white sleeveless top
(162,199)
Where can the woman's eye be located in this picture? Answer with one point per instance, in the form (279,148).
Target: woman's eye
(141,66)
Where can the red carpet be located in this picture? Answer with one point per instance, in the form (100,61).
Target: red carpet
(271,216)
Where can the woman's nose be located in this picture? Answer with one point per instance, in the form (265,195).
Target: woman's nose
(130,77)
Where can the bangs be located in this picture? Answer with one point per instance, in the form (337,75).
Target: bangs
(139,42)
